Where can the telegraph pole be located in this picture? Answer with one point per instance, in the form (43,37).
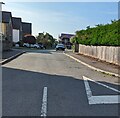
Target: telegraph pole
(1,3)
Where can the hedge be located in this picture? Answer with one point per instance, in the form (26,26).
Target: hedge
(100,35)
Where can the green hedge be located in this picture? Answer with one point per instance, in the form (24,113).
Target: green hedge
(105,35)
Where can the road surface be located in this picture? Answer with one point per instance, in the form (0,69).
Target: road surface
(48,83)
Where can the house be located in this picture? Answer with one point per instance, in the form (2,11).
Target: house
(13,30)
(17,29)
(6,28)
(65,39)
(26,28)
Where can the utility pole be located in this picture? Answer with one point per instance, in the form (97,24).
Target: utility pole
(1,3)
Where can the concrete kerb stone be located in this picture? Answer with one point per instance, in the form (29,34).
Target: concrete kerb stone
(11,58)
(94,68)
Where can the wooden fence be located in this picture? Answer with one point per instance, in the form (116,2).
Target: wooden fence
(106,53)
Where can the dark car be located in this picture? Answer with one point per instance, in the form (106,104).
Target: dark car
(42,46)
(60,47)
(68,46)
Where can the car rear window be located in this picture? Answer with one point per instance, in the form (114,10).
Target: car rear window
(60,45)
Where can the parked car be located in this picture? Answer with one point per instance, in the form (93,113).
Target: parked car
(31,45)
(26,45)
(17,45)
(60,47)
(35,46)
(42,46)
(68,46)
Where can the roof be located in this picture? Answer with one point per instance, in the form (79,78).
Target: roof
(63,35)
(26,23)
(27,35)
(16,22)
(6,16)
(2,3)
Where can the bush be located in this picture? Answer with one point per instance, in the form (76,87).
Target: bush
(105,35)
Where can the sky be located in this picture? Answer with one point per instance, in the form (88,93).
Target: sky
(63,17)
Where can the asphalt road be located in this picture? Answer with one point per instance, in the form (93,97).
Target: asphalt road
(48,83)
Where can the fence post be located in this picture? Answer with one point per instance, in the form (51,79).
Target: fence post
(76,47)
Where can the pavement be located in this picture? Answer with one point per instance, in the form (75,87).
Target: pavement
(95,64)
(10,55)
(49,83)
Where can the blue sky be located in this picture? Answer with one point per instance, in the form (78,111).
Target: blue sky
(63,17)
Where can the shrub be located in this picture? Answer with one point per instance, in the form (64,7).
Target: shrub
(105,35)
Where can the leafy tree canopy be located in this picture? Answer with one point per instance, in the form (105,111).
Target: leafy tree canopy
(46,39)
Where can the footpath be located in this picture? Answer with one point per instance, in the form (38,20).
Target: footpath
(95,64)
(10,55)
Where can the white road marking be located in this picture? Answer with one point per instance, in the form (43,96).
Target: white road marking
(103,99)
(88,90)
(106,99)
(102,84)
(44,103)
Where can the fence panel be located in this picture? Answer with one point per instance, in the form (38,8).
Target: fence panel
(105,53)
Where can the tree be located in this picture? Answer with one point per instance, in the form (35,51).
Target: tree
(40,38)
(74,40)
(88,27)
(46,39)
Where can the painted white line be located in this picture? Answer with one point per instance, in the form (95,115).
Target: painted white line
(102,84)
(103,99)
(88,90)
(94,68)
(44,103)
(107,99)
